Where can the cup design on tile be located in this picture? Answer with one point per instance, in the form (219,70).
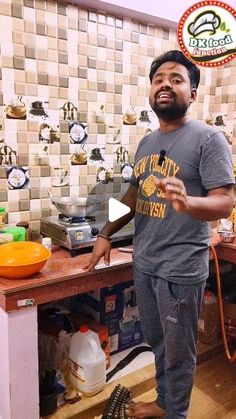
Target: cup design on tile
(16,109)
(113,135)
(61,177)
(130,117)
(79,156)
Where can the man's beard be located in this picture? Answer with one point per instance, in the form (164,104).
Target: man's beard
(169,112)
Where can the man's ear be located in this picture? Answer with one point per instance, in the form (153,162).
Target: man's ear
(193,95)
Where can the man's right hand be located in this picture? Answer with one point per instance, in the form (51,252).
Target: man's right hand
(101,248)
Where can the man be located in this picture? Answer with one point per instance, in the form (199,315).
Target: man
(182,179)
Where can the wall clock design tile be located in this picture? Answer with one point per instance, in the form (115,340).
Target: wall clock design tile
(18,177)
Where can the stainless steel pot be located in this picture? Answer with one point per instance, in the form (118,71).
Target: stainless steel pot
(75,206)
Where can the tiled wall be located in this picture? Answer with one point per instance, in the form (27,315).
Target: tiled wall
(68,77)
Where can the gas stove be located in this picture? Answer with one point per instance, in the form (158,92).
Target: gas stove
(76,233)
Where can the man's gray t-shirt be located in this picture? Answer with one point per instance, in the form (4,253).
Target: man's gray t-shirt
(168,244)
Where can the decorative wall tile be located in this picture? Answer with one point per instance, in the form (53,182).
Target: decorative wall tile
(87,58)
(3,195)
(19,63)
(62,33)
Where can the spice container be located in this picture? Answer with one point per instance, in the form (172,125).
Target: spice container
(25,224)
(47,242)
(2,217)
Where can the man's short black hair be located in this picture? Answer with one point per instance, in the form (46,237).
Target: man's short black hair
(178,57)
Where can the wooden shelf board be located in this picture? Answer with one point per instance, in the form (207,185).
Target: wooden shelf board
(138,382)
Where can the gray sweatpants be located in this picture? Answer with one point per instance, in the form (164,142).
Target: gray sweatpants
(169,317)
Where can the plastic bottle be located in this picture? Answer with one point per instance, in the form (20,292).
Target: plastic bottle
(87,362)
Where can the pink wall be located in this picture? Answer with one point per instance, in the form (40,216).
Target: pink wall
(19,364)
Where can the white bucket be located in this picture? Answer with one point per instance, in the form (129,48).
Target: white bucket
(87,362)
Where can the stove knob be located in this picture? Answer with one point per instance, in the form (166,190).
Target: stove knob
(94,231)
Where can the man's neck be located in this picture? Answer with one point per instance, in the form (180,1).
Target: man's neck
(166,126)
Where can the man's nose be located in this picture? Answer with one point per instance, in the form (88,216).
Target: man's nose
(166,84)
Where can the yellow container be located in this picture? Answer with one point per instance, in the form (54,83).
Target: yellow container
(22,259)
(2,217)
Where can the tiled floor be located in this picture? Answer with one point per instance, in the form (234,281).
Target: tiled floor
(140,361)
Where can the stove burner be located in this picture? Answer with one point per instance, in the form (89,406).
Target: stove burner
(74,220)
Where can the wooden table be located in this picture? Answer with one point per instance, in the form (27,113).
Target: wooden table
(63,276)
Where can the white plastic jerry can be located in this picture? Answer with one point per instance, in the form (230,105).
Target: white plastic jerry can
(87,362)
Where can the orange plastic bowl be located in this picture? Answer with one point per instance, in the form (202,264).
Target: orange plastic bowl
(22,259)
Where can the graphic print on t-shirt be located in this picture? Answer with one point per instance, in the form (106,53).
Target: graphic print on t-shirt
(151,199)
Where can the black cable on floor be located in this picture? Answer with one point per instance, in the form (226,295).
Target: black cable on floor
(126,360)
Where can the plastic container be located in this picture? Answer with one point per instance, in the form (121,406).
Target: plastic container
(25,224)
(87,362)
(47,242)
(5,237)
(18,233)
(2,217)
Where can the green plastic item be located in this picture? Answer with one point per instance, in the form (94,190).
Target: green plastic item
(2,209)
(17,232)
